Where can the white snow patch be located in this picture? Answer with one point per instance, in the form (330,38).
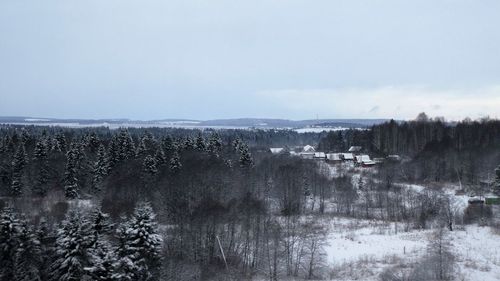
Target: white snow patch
(478,253)
(349,241)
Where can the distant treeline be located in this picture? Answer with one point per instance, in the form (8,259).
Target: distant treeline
(466,152)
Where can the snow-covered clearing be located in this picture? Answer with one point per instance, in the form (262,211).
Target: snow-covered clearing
(477,251)
(362,249)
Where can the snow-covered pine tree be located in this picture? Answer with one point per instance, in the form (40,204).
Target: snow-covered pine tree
(71,187)
(100,225)
(41,150)
(40,156)
(27,259)
(160,156)
(236,144)
(140,245)
(167,144)
(18,164)
(245,160)
(101,262)
(125,264)
(496,184)
(175,162)
(25,136)
(189,144)
(93,142)
(43,235)
(141,148)
(61,141)
(149,166)
(100,169)
(113,152)
(200,143)
(55,146)
(73,241)
(215,144)
(9,225)
(126,145)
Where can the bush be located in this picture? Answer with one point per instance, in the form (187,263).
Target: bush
(477,213)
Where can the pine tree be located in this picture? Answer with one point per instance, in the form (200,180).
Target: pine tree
(141,148)
(236,144)
(61,141)
(175,162)
(160,157)
(113,152)
(167,144)
(73,241)
(18,164)
(100,225)
(40,155)
(55,145)
(102,259)
(27,259)
(9,226)
(126,145)
(139,245)
(93,142)
(245,157)
(146,144)
(71,187)
(200,143)
(125,266)
(149,166)
(41,151)
(189,143)
(43,235)
(215,144)
(100,169)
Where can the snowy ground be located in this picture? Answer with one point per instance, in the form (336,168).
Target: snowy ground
(362,249)
(478,253)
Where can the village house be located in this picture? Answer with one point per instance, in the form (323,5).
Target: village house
(347,156)
(355,149)
(364,161)
(334,157)
(319,155)
(278,150)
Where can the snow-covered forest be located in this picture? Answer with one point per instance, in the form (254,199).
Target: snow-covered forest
(187,204)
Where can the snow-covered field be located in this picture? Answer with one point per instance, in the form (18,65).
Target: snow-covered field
(362,249)
(370,247)
(477,250)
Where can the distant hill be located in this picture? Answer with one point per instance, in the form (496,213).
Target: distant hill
(232,123)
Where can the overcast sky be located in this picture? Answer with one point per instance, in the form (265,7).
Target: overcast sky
(295,59)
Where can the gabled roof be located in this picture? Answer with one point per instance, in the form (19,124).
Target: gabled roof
(308,148)
(355,149)
(277,150)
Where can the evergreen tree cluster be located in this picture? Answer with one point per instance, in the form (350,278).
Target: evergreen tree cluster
(82,248)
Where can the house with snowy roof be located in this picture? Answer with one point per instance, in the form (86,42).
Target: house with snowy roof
(364,160)
(334,157)
(308,148)
(355,149)
(278,150)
